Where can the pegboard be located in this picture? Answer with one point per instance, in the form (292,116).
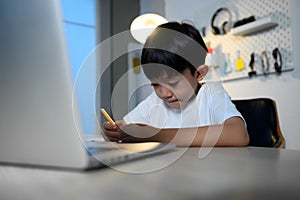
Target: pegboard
(266,40)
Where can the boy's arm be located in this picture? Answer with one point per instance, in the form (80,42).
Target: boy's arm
(231,133)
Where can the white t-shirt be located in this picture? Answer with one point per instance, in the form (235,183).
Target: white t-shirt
(211,106)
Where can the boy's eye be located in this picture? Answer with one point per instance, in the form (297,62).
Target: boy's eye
(173,84)
(154,84)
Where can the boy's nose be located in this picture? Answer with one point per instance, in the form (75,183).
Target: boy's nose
(165,92)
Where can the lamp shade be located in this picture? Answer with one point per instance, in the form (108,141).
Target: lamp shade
(142,26)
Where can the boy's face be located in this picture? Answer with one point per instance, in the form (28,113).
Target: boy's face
(178,90)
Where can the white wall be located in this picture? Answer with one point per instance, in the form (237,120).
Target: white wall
(284,88)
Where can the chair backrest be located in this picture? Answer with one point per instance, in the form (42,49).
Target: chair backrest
(262,122)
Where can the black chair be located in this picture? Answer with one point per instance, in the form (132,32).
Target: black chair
(262,122)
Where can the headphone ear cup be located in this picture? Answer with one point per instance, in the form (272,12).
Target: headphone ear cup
(277,68)
(215,30)
(225,27)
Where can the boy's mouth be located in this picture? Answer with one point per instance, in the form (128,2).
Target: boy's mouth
(172,101)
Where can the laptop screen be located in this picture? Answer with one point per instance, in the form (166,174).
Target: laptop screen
(39,116)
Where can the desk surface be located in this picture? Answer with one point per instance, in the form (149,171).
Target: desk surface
(227,173)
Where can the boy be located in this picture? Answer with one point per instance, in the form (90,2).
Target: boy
(181,110)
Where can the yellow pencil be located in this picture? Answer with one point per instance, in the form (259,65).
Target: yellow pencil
(108,117)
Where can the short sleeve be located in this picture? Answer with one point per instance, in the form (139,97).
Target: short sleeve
(221,105)
(139,114)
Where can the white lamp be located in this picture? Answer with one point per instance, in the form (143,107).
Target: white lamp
(142,26)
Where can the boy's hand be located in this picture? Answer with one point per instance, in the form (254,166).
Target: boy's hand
(138,133)
(111,132)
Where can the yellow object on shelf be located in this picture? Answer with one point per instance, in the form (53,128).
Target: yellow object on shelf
(239,64)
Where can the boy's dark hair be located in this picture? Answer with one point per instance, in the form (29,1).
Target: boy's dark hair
(176,47)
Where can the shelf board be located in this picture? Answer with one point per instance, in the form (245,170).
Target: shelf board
(253,27)
(227,79)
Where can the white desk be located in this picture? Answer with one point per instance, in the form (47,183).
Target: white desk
(227,173)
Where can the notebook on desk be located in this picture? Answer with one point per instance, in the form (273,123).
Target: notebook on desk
(38,112)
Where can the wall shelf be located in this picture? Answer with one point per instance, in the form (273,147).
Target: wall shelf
(254,27)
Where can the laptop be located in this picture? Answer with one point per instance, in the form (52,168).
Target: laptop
(38,111)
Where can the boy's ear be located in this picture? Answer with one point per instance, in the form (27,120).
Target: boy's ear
(201,72)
